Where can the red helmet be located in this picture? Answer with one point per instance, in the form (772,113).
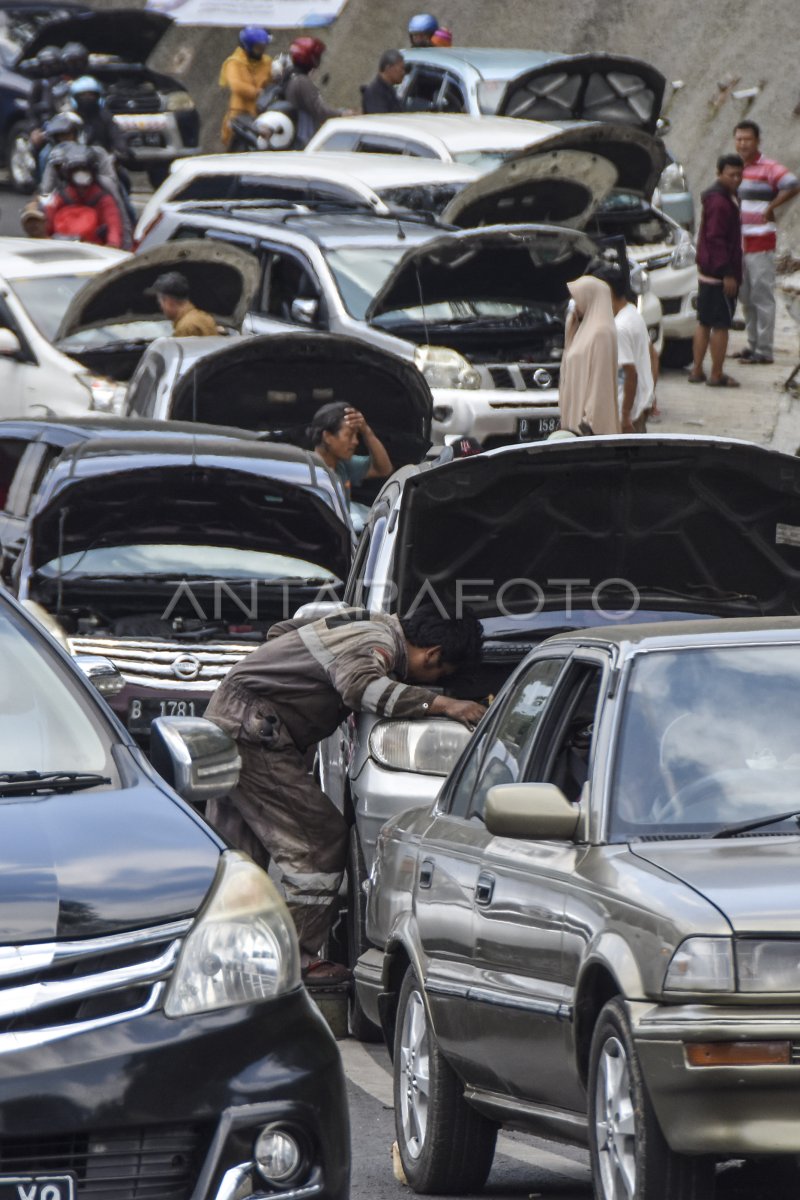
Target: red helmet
(306,51)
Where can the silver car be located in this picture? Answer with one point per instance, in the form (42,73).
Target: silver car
(594,933)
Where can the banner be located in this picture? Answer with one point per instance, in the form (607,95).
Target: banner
(274,14)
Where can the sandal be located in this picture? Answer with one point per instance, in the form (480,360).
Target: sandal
(696,378)
(724,381)
(321,972)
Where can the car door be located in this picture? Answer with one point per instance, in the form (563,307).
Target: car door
(287,276)
(21,378)
(423,89)
(522,967)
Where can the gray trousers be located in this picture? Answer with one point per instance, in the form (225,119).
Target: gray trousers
(277,812)
(758,296)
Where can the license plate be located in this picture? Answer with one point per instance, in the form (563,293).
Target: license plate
(36,1187)
(142,124)
(532,429)
(137,140)
(142,712)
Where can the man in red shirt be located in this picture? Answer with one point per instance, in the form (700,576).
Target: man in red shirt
(765,187)
(719,271)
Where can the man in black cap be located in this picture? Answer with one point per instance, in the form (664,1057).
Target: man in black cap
(172,292)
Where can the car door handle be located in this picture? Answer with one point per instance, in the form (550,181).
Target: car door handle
(484,889)
(426,873)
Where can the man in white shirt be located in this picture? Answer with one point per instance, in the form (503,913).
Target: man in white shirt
(637,360)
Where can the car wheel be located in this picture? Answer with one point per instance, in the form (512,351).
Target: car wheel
(445,1146)
(677,352)
(630,1156)
(20,159)
(157,175)
(358,1022)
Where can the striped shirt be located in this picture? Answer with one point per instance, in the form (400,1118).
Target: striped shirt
(762,180)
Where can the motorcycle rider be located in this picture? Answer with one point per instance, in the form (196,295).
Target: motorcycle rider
(245,73)
(303,94)
(100,128)
(80,209)
(65,130)
(442,37)
(421,29)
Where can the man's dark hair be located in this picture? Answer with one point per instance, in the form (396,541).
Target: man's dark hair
(327,419)
(613,276)
(753,126)
(389,58)
(459,637)
(729,160)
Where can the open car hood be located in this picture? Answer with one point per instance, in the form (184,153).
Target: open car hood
(588,87)
(189,502)
(696,525)
(222,280)
(126,33)
(492,263)
(559,187)
(639,157)
(274,384)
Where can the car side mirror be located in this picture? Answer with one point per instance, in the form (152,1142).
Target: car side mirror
(531,811)
(195,757)
(9,343)
(101,673)
(305,312)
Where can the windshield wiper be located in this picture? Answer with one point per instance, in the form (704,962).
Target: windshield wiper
(31,783)
(729,831)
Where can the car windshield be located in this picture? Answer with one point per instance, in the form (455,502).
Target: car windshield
(46,722)
(178,562)
(117,334)
(709,738)
(46,298)
(484,160)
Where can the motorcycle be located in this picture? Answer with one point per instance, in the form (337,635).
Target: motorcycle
(273,129)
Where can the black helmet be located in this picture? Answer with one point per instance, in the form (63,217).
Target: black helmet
(49,61)
(73,157)
(64,124)
(75,58)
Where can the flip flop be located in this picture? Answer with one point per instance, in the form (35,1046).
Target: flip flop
(323,973)
(696,378)
(723,381)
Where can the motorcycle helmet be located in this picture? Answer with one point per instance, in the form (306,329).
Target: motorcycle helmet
(85,86)
(75,58)
(442,37)
(252,36)
(275,129)
(49,61)
(306,52)
(64,124)
(74,158)
(423,23)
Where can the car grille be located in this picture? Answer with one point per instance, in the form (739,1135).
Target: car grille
(657,261)
(523,376)
(57,989)
(129,1164)
(150,662)
(671,305)
(133,103)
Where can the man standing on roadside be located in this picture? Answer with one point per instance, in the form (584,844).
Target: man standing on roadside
(766,186)
(719,271)
(380,96)
(637,360)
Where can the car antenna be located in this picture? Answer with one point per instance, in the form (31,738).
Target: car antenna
(401,233)
(422,305)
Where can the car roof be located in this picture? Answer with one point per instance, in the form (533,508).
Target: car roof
(499,63)
(329,227)
(24,258)
(678,635)
(373,170)
(457,131)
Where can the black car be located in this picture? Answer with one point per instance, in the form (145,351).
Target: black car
(155,1039)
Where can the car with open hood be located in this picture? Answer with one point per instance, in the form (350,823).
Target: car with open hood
(154,111)
(481,312)
(156,1039)
(541,539)
(170,549)
(593,933)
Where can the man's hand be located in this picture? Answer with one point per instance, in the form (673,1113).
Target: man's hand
(730,286)
(355,420)
(467,712)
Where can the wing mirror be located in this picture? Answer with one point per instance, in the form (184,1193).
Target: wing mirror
(101,673)
(9,344)
(535,812)
(195,757)
(304,312)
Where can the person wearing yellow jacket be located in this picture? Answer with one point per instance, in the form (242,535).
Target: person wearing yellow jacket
(245,72)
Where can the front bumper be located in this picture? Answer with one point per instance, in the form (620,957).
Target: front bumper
(491,415)
(87,1103)
(723,1111)
(677,291)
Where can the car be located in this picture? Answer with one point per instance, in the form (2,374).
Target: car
(156,1037)
(167,548)
(154,111)
(376,181)
(592,934)
(481,312)
(540,539)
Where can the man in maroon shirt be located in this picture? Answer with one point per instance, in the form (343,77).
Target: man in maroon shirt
(719,271)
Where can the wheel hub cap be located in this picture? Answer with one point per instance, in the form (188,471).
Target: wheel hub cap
(414,1081)
(615,1122)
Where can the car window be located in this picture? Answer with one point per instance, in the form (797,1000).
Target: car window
(141,399)
(423,89)
(286,279)
(11,452)
(375,143)
(208,187)
(565,757)
(342,140)
(452,99)
(509,745)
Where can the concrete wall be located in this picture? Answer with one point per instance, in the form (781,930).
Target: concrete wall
(705,43)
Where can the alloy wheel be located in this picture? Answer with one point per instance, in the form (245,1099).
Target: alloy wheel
(615,1122)
(414,1067)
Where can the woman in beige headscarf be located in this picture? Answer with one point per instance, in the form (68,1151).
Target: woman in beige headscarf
(587,394)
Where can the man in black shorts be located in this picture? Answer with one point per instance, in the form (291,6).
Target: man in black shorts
(719,271)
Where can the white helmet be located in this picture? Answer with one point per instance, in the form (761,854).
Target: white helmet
(275,129)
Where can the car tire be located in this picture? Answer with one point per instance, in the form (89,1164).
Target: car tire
(629,1153)
(445,1146)
(20,158)
(156,175)
(677,352)
(358,1023)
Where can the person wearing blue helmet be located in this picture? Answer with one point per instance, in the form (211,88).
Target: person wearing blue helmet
(421,29)
(100,128)
(245,73)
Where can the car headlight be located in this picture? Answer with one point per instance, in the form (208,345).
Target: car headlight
(242,947)
(684,254)
(446,368)
(768,966)
(701,964)
(425,747)
(106,395)
(178,102)
(673,179)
